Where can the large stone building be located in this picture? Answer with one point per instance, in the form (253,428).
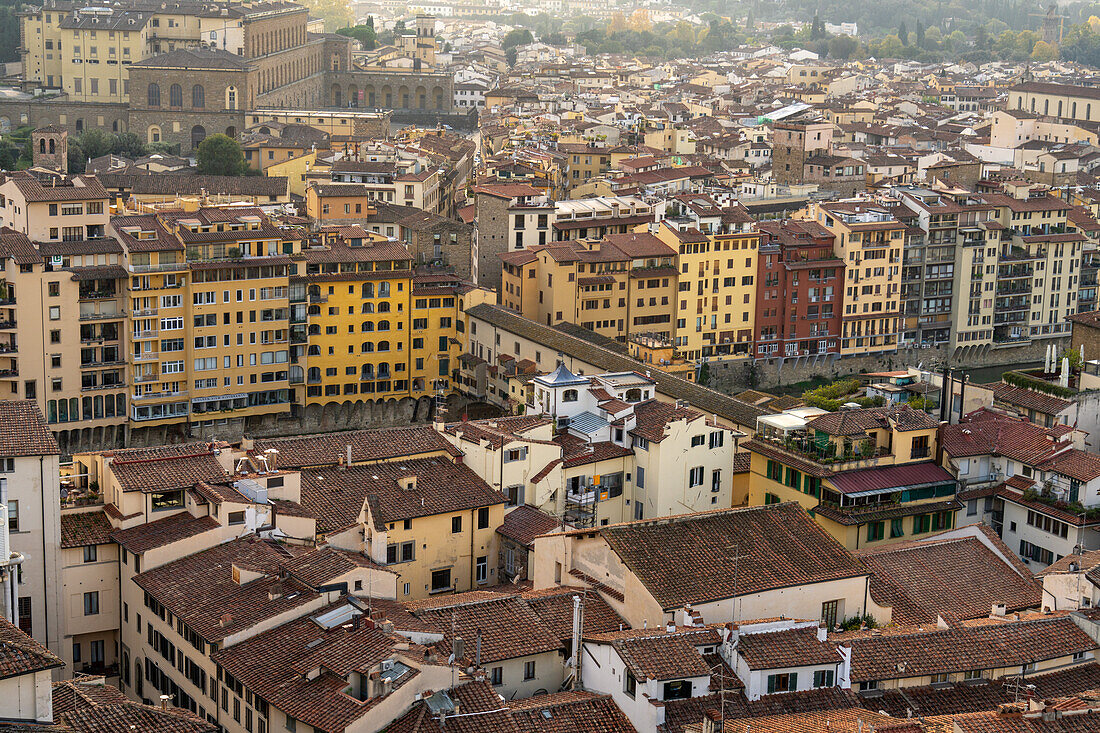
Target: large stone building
(180,71)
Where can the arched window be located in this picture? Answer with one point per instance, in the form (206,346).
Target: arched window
(366,327)
(153,95)
(633,395)
(314,374)
(383,325)
(383,346)
(368,308)
(314,350)
(154,134)
(42,145)
(367,347)
(198,96)
(368,290)
(367,372)
(383,290)
(383,307)
(53,146)
(383,370)
(569,395)
(314,329)
(175,96)
(231,97)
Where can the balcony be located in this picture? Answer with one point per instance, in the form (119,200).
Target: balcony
(143,378)
(157,395)
(145,312)
(7,325)
(94,316)
(149,334)
(855,454)
(164,267)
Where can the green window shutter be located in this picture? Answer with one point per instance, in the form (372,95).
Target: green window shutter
(792,684)
(771,683)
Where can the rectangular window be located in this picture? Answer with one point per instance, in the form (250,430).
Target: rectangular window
(695,476)
(91,603)
(876,531)
(823,678)
(90,553)
(456,525)
(483,518)
(496,675)
(787,682)
(441,580)
(482,569)
(13,516)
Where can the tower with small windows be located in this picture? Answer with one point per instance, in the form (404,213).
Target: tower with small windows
(50,146)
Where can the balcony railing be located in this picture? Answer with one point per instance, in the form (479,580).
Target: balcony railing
(858,454)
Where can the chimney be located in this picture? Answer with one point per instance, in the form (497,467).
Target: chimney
(712,722)
(822,632)
(164,701)
(998,611)
(670,627)
(348,461)
(407,483)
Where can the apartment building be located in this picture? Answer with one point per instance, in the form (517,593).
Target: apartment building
(1032,484)
(509,216)
(372,326)
(597,217)
(870,241)
(194,345)
(29,456)
(952,242)
(800,291)
(867,475)
(1038,264)
(1055,100)
(716,287)
(622,285)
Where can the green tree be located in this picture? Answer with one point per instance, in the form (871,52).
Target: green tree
(1043,51)
(95,142)
(220,155)
(842,47)
(76,158)
(362,33)
(370,22)
(903,34)
(517,37)
(129,145)
(920,34)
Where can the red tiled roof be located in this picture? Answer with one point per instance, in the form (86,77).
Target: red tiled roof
(366,445)
(524,523)
(955,650)
(173,528)
(957,578)
(689,558)
(85,528)
(23,430)
(20,654)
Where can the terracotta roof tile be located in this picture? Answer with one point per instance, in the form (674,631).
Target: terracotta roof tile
(20,654)
(780,546)
(957,578)
(366,445)
(277,666)
(788,648)
(508,626)
(554,606)
(961,649)
(337,496)
(161,532)
(85,528)
(23,430)
(523,524)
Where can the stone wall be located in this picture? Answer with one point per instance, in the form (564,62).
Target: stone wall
(733,376)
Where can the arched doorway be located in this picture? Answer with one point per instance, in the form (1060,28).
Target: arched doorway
(198,134)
